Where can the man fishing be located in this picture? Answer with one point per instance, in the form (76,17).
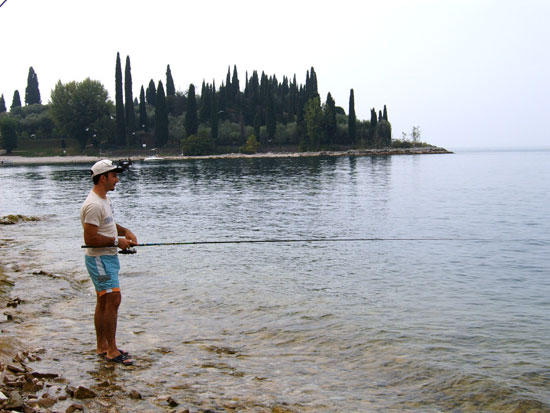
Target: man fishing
(101,230)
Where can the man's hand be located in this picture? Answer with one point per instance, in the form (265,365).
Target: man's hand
(124,243)
(129,235)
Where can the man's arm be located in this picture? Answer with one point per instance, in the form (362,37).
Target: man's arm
(126,233)
(92,237)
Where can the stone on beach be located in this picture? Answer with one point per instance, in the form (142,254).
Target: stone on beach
(83,392)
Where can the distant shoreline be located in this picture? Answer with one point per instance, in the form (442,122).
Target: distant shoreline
(42,160)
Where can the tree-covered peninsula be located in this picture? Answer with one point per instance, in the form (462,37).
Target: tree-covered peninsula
(262,114)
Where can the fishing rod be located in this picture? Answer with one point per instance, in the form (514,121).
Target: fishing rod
(283,241)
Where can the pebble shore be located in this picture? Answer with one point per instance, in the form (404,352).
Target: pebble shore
(23,160)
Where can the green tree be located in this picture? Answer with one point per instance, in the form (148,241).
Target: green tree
(313,116)
(415,135)
(80,109)
(143,124)
(191,119)
(214,118)
(16,101)
(373,137)
(161,117)
(383,132)
(330,125)
(170,92)
(119,104)
(206,103)
(34,120)
(270,117)
(170,88)
(197,145)
(251,145)
(351,118)
(151,94)
(2,104)
(32,92)
(129,112)
(235,85)
(8,130)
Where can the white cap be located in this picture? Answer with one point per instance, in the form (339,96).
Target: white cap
(105,165)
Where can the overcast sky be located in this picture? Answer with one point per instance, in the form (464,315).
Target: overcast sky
(470,73)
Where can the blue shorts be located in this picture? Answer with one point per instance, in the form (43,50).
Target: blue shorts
(103,271)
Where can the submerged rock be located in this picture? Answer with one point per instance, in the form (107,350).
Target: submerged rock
(134,394)
(74,407)
(14,219)
(15,401)
(84,393)
(172,402)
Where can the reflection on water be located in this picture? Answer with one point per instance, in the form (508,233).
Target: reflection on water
(425,325)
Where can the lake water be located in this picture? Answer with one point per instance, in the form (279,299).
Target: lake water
(450,311)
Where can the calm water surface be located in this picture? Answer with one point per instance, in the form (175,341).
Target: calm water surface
(457,320)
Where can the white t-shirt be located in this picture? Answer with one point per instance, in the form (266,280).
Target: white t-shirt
(99,212)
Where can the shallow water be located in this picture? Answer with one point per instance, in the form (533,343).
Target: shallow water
(456,320)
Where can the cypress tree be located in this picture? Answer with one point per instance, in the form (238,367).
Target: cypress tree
(228,88)
(235,84)
(385,115)
(270,118)
(311,85)
(252,99)
(372,128)
(222,102)
(16,101)
(170,88)
(293,98)
(119,104)
(130,114)
(161,117)
(32,93)
(214,113)
(300,122)
(191,120)
(142,110)
(351,118)
(2,104)
(330,120)
(151,94)
(373,119)
(313,81)
(206,102)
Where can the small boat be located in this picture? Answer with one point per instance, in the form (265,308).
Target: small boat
(153,158)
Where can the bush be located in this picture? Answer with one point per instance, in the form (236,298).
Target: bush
(398,143)
(251,145)
(176,129)
(286,134)
(229,133)
(8,131)
(197,146)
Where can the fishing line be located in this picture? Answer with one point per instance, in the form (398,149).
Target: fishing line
(310,240)
(3,3)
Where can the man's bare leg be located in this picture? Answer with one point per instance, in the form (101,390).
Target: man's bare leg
(105,320)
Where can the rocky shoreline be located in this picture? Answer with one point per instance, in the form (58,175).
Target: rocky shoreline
(40,160)
(26,387)
(23,389)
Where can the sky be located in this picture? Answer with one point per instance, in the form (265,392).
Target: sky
(469,73)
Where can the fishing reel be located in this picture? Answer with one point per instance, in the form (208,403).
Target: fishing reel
(128,251)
